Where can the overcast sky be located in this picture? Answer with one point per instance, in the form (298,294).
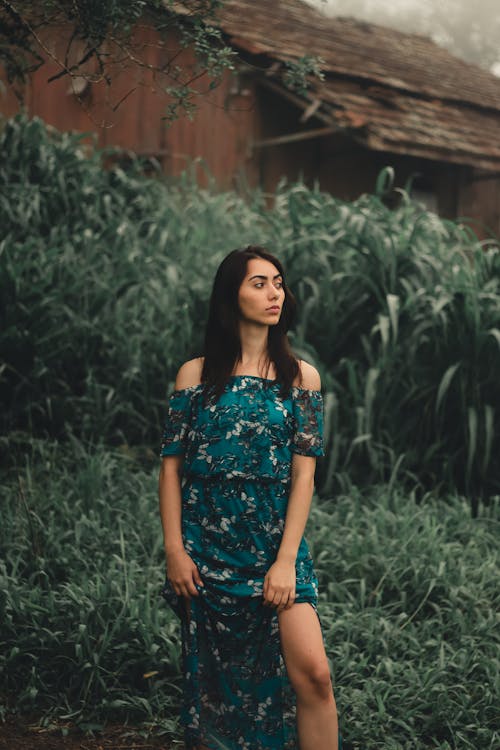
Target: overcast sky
(468,28)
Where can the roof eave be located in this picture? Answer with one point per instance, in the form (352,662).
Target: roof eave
(360,129)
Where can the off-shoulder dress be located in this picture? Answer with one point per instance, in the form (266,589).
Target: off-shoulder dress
(235,484)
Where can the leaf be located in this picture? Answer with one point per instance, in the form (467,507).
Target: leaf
(330,409)
(496,333)
(370,391)
(385,181)
(393,305)
(489,414)
(384,326)
(472,439)
(445,383)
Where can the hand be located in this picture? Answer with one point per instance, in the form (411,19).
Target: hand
(279,585)
(183,573)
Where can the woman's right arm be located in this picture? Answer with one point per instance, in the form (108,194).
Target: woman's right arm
(181,570)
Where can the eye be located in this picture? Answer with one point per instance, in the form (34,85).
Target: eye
(279,284)
(259,284)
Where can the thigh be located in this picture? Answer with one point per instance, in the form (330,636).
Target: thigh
(301,639)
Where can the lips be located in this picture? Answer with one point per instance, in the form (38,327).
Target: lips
(273,309)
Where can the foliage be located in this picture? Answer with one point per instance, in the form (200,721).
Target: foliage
(82,248)
(297,73)
(403,311)
(104,282)
(409,604)
(82,571)
(102,42)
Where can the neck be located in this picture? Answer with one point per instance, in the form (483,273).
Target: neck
(254,340)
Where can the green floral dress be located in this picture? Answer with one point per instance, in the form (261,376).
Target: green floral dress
(235,486)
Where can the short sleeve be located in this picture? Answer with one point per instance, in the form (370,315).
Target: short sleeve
(177,423)
(308,422)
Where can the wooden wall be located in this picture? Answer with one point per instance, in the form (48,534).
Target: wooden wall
(480,202)
(344,167)
(128,113)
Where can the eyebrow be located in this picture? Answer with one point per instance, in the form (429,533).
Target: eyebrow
(260,276)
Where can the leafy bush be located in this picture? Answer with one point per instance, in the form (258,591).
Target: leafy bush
(80,579)
(105,276)
(408,602)
(104,281)
(402,312)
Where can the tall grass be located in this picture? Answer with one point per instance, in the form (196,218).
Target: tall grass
(104,282)
(81,626)
(401,309)
(409,604)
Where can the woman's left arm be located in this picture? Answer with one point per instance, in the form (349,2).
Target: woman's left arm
(279,583)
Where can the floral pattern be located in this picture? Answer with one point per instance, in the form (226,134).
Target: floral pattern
(235,485)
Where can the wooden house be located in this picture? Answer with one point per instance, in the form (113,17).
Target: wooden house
(387,98)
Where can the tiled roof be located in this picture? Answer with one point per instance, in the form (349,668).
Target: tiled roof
(390,90)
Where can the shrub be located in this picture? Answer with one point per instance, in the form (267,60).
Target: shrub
(104,281)
(408,603)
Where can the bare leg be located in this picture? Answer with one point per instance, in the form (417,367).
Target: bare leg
(307,667)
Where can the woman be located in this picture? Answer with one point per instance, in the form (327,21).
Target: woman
(243,430)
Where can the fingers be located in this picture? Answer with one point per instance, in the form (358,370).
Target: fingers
(291,600)
(280,600)
(279,596)
(186,585)
(279,585)
(186,589)
(197,578)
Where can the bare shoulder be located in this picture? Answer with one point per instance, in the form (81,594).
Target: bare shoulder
(310,376)
(189,373)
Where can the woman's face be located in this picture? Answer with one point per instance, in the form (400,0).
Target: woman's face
(261,294)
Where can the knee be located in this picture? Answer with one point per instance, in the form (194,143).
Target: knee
(313,683)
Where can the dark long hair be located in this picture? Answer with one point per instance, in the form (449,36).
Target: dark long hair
(222,348)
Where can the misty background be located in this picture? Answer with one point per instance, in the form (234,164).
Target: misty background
(470,30)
